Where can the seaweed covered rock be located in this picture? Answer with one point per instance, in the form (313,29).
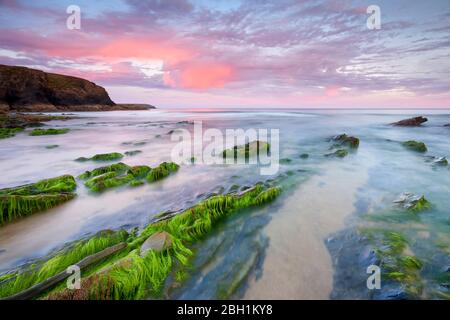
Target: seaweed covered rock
(119,174)
(396,263)
(132,153)
(345,140)
(116,167)
(162,171)
(411,122)
(247,150)
(415,146)
(27,199)
(438,161)
(412,202)
(162,247)
(47,132)
(340,153)
(102,157)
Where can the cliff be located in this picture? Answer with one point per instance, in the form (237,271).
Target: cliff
(25,89)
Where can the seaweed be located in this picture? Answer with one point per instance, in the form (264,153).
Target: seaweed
(162,171)
(102,157)
(119,174)
(116,167)
(59,262)
(9,132)
(46,132)
(136,277)
(390,248)
(28,199)
(251,149)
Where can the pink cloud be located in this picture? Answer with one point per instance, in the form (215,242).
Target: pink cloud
(202,75)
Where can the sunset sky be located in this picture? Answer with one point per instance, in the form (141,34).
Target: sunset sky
(222,53)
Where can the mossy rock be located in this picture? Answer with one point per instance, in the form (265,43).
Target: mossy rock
(102,157)
(9,132)
(132,153)
(415,146)
(340,153)
(345,140)
(119,174)
(116,167)
(285,161)
(46,132)
(31,198)
(162,171)
(139,171)
(247,150)
(413,203)
(390,249)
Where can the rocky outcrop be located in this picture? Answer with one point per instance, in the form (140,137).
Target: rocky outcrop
(411,122)
(24,89)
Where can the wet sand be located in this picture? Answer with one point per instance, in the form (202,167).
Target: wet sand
(297,264)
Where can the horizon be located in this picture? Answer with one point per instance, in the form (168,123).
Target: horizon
(240,55)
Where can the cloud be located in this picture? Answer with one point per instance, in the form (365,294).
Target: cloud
(288,50)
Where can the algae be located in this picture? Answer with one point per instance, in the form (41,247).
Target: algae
(28,199)
(46,132)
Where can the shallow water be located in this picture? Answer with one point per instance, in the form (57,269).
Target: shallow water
(278,251)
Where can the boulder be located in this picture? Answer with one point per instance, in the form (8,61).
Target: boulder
(411,122)
(158,241)
(412,202)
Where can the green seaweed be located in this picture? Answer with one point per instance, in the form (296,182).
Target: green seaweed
(162,171)
(28,199)
(135,277)
(390,248)
(116,167)
(46,132)
(415,146)
(119,174)
(102,157)
(139,171)
(59,262)
(9,132)
(251,149)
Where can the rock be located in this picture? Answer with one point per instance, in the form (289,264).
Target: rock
(341,153)
(415,145)
(411,122)
(158,241)
(438,161)
(345,140)
(25,89)
(412,202)
(247,150)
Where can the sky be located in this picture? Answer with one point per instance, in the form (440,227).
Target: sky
(240,53)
